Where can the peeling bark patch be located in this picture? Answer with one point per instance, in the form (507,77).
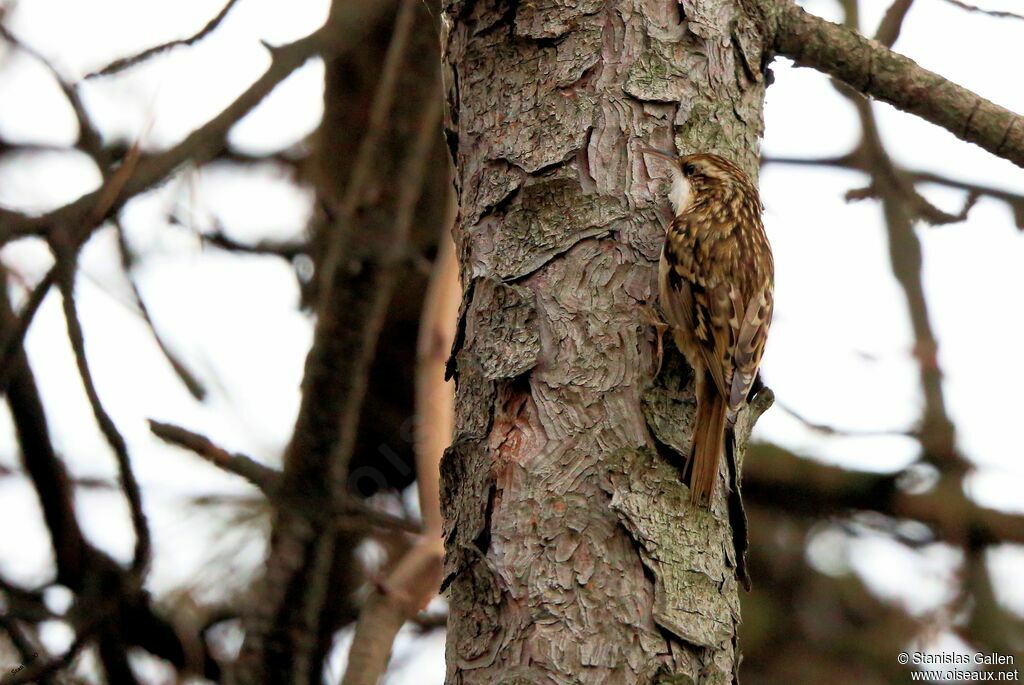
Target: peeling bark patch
(516,432)
(463,470)
(565,562)
(713,125)
(451,367)
(474,400)
(671,411)
(695,591)
(531,116)
(548,218)
(748,44)
(476,599)
(658,76)
(502,329)
(550,18)
(493,186)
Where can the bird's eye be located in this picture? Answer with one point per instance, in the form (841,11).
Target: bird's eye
(689,169)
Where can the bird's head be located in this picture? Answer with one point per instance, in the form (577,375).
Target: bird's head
(703,176)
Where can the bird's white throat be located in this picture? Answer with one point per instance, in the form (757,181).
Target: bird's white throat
(679,195)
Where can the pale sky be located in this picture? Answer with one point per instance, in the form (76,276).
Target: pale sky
(838,353)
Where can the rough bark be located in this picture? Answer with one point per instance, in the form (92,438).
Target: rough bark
(572,553)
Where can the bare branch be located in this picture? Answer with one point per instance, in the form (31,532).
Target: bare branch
(1015,201)
(936,432)
(14,335)
(416,578)
(126,62)
(263,477)
(8,147)
(901,204)
(88,137)
(80,567)
(349,513)
(199,146)
(43,466)
(892,23)
(135,176)
(412,583)
(874,70)
(840,162)
(777,478)
(103,199)
(435,397)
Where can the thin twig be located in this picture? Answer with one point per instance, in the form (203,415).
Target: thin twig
(15,337)
(7,147)
(351,513)
(198,147)
(187,378)
(92,483)
(88,137)
(840,161)
(126,62)
(826,429)
(285,249)
(67,261)
(980,10)
(103,198)
(1013,200)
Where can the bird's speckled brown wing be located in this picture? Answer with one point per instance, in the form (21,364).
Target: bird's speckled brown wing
(753,334)
(717,291)
(698,303)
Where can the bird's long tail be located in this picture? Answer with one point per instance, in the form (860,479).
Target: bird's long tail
(708,443)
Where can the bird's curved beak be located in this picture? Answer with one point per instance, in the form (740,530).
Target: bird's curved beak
(671,156)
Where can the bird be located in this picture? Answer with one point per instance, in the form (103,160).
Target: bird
(716,288)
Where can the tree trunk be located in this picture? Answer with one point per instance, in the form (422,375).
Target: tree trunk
(572,553)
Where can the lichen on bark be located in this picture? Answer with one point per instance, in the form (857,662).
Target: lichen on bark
(573,556)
